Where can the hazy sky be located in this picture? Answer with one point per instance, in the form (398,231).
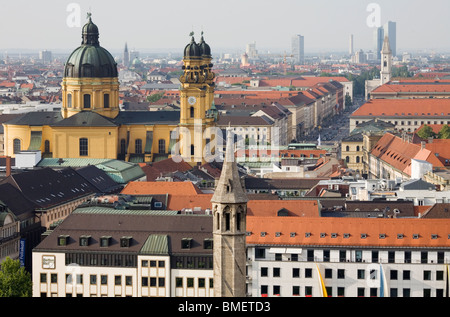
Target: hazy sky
(157,25)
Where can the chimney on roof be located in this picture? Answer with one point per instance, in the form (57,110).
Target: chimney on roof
(8,166)
(422,145)
(430,140)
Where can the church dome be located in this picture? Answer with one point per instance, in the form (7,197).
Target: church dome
(90,59)
(205,50)
(192,49)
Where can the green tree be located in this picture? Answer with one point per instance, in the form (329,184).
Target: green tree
(155,97)
(14,280)
(426,132)
(444,133)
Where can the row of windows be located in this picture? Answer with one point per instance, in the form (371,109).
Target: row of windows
(393,275)
(340,291)
(138,148)
(87,101)
(93,279)
(393,256)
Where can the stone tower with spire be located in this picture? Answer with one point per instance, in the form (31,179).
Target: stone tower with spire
(229,204)
(386,62)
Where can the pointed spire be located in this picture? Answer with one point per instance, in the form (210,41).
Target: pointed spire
(229,188)
(386,46)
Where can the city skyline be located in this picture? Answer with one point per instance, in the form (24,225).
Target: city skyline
(230,25)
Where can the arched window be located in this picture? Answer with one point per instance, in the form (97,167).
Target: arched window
(192,112)
(17,146)
(227,215)
(87,101)
(347,148)
(123,146)
(162,146)
(347,159)
(192,149)
(84,148)
(138,146)
(357,159)
(69,101)
(357,148)
(47,146)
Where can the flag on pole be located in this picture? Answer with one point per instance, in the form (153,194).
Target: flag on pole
(383,285)
(322,287)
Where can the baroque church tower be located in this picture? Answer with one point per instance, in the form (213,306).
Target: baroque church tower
(196,101)
(91,80)
(229,204)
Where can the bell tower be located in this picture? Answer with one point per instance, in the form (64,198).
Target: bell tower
(196,98)
(229,204)
(386,62)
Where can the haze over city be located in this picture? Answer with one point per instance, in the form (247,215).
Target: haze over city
(160,26)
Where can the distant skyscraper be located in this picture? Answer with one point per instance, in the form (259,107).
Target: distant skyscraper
(45,56)
(298,48)
(251,51)
(390,30)
(350,49)
(126,56)
(378,38)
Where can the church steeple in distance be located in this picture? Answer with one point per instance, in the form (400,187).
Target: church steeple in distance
(229,204)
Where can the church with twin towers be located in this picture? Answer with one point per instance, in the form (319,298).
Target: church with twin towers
(91,125)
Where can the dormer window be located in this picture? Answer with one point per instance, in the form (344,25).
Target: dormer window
(208,244)
(105,241)
(186,243)
(63,240)
(84,241)
(125,242)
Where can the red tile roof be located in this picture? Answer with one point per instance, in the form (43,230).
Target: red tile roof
(330,231)
(404,107)
(398,153)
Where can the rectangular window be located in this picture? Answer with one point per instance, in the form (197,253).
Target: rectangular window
(106,100)
(427,275)
(361,274)
(53,278)
(295,290)
(87,101)
(93,279)
(406,275)
(43,278)
(144,281)
(104,279)
(276,272)
(308,273)
(340,273)
(264,272)
(69,101)
(128,280)
(118,280)
(84,147)
(179,282)
(295,272)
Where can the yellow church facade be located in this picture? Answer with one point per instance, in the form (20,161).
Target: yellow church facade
(91,125)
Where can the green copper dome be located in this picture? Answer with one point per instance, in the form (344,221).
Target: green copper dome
(90,59)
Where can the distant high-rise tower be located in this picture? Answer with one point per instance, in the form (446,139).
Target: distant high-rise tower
(298,48)
(251,51)
(45,56)
(390,30)
(229,204)
(126,56)
(386,62)
(378,37)
(350,49)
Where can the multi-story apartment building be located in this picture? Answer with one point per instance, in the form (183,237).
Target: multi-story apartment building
(351,257)
(100,251)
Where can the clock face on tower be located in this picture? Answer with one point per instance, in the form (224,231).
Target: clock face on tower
(192,100)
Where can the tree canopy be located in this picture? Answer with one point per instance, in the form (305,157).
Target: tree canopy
(15,281)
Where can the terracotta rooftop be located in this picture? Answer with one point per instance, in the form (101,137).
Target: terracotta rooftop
(404,108)
(361,232)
